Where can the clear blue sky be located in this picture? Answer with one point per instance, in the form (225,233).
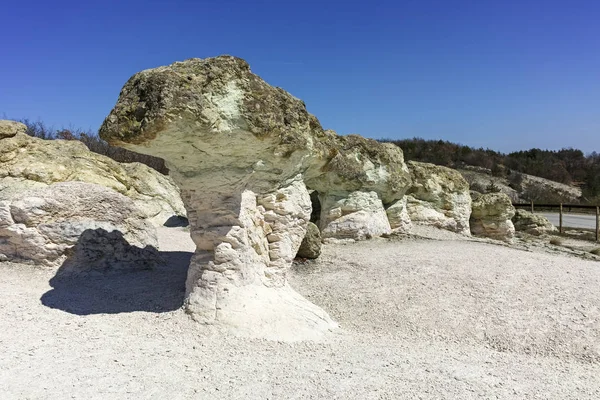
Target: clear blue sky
(506,75)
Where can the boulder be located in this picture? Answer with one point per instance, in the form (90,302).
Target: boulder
(11,128)
(439,197)
(534,224)
(358,216)
(311,244)
(491,216)
(341,165)
(245,155)
(398,217)
(27,163)
(100,227)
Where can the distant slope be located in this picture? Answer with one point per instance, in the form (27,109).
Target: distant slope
(520,171)
(540,190)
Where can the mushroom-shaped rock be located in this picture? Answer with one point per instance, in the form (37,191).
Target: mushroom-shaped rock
(439,196)
(238,149)
(244,154)
(491,216)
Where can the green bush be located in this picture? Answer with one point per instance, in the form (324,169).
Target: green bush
(492,188)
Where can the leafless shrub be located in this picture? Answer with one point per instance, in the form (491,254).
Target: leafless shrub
(40,130)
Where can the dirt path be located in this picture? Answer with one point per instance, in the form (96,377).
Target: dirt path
(420,318)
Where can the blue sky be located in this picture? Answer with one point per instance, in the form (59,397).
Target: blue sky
(507,75)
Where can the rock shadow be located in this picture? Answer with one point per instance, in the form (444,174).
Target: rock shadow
(118,277)
(176,221)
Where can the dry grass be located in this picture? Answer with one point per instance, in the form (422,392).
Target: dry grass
(556,241)
(596,251)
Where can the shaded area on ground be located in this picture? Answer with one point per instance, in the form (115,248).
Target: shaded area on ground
(160,289)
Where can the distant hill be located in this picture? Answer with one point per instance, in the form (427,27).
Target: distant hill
(567,166)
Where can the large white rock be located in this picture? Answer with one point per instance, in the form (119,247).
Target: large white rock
(439,197)
(491,216)
(27,162)
(244,154)
(358,216)
(98,226)
(398,216)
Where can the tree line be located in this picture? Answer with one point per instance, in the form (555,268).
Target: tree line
(569,166)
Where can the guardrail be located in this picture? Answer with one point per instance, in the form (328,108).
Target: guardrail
(561,207)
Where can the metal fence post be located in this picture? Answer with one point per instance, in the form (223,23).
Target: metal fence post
(532,206)
(560,220)
(597,222)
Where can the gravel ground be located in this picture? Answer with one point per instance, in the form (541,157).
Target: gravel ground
(420,318)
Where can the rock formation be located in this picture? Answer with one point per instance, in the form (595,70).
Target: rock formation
(439,197)
(100,227)
(27,162)
(311,244)
(359,215)
(244,154)
(534,224)
(398,217)
(11,128)
(491,216)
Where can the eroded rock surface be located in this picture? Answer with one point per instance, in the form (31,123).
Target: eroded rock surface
(534,224)
(311,244)
(100,227)
(398,217)
(244,154)
(11,128)
(491,216)
(27,163)
(360,215)
(439,197)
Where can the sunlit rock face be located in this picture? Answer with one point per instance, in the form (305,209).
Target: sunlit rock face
(27,163)
(243,154)
(491,217)
(439,197)
(102,229)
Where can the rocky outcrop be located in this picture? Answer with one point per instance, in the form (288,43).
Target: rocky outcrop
(100,228)
(439,197)
(491,216)
(27,162)
(398,217)
(244,154)
(11,128)
(311,244)
(534,224)
(358,216)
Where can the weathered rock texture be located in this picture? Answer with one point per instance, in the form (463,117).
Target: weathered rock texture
(27,162)
(439,196)
(491,216)
(398,217)
(311,244)
(534,224)
(11,128)
(358,216)
(101,228)
(244,153)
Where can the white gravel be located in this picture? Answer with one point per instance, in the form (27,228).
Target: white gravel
(420,318)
